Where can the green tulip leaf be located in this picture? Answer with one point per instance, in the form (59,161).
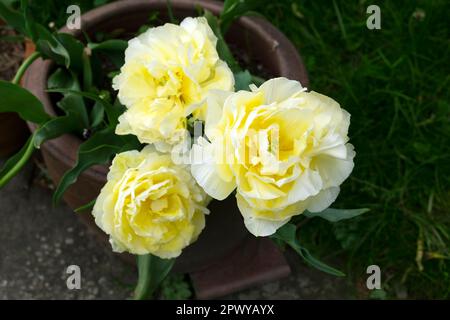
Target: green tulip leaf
(51,47)
(99,149)
(112,111)
(62,78)
(222,48)
(288,235)
(335,215)
(73,105)
(97,114)
(75,50)
(85,207)
(109,45)
(234,9)
(13,18)
(114,49)
(242,80)
(54,128)
(16,99)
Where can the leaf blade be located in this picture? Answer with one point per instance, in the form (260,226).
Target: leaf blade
(21,101)
(99,149)
(335,215)
(87,206)
(13,18)
(111,111)
(242,80)
(112,44)
(222,48)
(288,234)
(54,128)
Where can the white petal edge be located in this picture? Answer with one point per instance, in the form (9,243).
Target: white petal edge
(335,171)
(257,227)
(323,199)
(280,89)
(215,101)
(206,174)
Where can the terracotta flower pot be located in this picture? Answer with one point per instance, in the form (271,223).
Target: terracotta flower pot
(13,131)
(256,37)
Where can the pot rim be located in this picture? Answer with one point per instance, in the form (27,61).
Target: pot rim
(286,58)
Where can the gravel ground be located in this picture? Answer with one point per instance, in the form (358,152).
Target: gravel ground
(38,242)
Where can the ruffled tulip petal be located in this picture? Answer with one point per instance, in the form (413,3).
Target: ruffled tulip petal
(257,227)
(280,89)
(215,102)
(150,205)
(323,199)
(334,170)
(167,75)
(286,151)
(206,171)
(309,183)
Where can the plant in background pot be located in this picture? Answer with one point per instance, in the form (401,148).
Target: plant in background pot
(13,130)
(144,104)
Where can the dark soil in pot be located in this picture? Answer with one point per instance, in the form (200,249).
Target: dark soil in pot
(13,130)
(225,230)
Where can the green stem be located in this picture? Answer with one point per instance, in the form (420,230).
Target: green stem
(170,12)
(152,271)
(24,66)
(142,290)
(29,148)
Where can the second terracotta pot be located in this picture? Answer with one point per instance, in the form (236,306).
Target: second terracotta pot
(256,37)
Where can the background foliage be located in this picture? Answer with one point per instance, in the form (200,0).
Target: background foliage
(394,82)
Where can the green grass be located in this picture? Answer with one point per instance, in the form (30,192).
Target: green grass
(395,83)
